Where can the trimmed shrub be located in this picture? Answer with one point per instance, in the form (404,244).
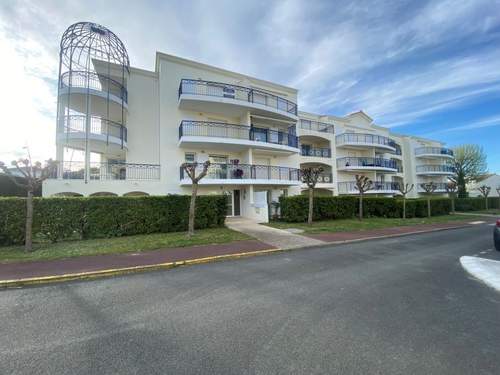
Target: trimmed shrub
(96,217)
(294,209)
(475,204)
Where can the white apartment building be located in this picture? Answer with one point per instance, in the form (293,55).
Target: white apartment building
(127,131)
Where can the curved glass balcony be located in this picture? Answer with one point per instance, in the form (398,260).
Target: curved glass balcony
(89,80)
(75,170)
(435,169)
(228,93)
(365,140)
(433,152)
(238,133)
(367,163)
(376,188)
(245,173)
(105,130)
(440,187)
(316,126)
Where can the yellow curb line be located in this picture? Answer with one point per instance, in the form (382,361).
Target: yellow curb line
(126,270)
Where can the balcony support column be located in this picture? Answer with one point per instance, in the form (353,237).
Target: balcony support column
(60,160)
(250,193)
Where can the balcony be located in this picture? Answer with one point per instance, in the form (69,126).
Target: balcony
(233,100)
(318,152)
(245,174)
(192,133)
(432,170)
(367,164)
(83,83)
(434,152)
(377,188)
(440,187)
(75,170)
(360,140)
(102,133)
(316,126)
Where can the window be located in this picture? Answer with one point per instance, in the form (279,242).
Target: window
(190,157)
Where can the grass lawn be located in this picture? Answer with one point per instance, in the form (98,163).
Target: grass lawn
(346,225)
(117,245)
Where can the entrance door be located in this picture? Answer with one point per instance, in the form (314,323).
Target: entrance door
(236,205)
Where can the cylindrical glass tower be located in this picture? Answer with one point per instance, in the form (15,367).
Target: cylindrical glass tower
(92,101)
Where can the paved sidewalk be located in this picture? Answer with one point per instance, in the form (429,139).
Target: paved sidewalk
(21,270)
(272,236)
(486,270)
(376,233)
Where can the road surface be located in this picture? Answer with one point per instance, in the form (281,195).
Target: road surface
(394,306)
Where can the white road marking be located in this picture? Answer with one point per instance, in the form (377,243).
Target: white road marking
(492,224)
(477,222)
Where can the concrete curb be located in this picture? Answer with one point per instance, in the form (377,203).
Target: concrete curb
(485,270)
(164,266)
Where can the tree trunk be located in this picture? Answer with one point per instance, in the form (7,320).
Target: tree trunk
(486,202)
(360,206)
(192,209)
(404,207)
(462,190)
(28,235)
(311,202)
(428,207)
(452,204)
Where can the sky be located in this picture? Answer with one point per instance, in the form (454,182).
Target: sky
(425,68)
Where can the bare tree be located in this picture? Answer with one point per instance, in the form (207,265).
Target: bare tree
(404,189)
(451,189)
(310,177)
(469,164)
(363,184)
(485,191)
(32,175)
(429,188)
(191,169)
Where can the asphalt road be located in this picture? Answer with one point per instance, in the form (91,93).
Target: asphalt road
(395,306)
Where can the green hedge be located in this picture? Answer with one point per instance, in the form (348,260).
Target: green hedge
(475,204)
(96,217)
(295,209)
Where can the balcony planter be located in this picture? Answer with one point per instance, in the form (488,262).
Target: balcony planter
(238,173)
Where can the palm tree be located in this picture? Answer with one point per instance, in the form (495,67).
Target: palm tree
(190,169)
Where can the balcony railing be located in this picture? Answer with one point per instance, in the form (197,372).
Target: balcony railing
(246,171)
(223,130)
(435,168)
(316,126)
(433,151)
(98,125)
(350,187)
(317,152)
(93,81)
(75,170)
(440,186)
(240,93)
(366,162)
(363,139)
